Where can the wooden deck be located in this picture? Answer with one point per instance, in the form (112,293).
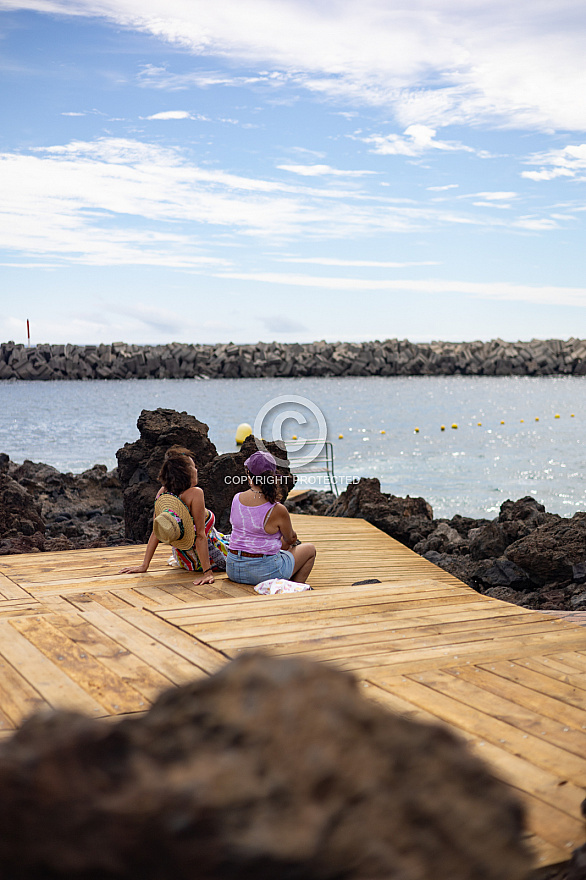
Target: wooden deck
(76,634)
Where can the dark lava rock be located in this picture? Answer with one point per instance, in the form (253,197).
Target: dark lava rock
(502,572)
(550,552)
(408,520)
(444,539)
(219,476)
(460,566)
(311,503)
(43,509)
(20,514)
(232,778)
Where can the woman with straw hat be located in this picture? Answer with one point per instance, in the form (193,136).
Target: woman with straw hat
(182,520)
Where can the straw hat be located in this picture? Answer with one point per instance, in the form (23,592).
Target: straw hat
(173,523)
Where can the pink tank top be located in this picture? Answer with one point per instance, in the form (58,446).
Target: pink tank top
(248,532)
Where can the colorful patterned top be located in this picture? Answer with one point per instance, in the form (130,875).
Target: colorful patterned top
(217,547)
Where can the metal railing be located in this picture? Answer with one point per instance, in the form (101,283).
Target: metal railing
(320,461)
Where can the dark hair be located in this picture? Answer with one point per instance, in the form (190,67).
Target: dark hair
(175,474)
(269,484)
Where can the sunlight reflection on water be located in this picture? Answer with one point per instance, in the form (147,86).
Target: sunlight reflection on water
(470,469)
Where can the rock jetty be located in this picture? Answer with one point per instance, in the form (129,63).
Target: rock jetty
(392,357)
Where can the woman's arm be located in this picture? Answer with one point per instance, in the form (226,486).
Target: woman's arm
(196,503)
(280,519)
(148,555)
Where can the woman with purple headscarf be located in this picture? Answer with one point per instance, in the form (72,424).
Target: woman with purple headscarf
(263,543)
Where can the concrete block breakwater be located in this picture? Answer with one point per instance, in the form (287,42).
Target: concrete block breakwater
(392,357)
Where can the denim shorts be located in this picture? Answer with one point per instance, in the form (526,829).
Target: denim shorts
(255,569)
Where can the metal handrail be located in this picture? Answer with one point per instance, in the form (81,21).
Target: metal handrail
(323,463)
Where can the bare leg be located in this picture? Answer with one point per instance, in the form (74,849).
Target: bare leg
(304,559)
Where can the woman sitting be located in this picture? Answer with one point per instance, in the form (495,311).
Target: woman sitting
(182,520)
(263,544)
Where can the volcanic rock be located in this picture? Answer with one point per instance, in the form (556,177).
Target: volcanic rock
(19,512)
(550,552)
(408,520)
(220,476)
(232,778)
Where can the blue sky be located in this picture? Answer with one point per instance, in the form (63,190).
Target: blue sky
(292,170)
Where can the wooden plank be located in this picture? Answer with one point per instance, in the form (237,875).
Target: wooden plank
(55,687)
(573,660)
(547,707)
(531,723)
(146,680)
(150,649)
(476,652)
(377,635)
(96,679)
(576,678)
(18,698)
(543,773)
(10,590)
(205,657)
(19,607)
(520,672)
(196,651)
(544,819)
(459,639)
(263,607)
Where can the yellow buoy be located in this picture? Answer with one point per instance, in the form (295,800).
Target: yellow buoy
(442,427)
(383,432)
(522,420)
(340,436)
(556,416)
(502,422)
(242,432)
(479,424)
(571,415)
(454,425)
(417,430)
(536,418)
(294,437)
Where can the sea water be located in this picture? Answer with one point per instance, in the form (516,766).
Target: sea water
(502,437)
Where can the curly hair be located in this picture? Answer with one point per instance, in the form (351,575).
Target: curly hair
(175,474)
(269,484)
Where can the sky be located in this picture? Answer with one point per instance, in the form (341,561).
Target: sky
(292,170)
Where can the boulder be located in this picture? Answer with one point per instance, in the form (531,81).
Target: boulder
(232,778)
(139,463)
(84,509)
(444,539)
(220,476)
(550,552)
(408,520)
(20,514)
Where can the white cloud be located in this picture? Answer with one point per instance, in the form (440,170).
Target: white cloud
(321,171)
(171,114)
(443,188)
(115,201)
(502,291)
(455,62)
(370,264)
(567,162)
(496,196)
(416,140)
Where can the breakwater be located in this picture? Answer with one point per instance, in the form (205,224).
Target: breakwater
(392,357)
